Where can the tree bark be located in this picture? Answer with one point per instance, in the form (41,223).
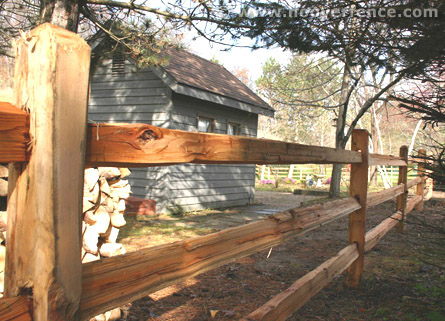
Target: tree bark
(334,189)
(62,13)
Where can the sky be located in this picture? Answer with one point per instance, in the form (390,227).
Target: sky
(236,57)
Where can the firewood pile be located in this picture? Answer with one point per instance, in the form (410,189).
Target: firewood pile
(105,192)
(104,195)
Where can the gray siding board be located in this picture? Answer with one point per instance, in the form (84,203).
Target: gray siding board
(110,85)
(129,100)
(209,176)
(220,168)
(128,76)
(186,193)
(135,92)
(210,199)
(136,109)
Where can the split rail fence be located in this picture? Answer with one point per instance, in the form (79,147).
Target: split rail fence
(48,143)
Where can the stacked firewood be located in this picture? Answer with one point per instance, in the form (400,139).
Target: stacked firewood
(104,195)
(105,192)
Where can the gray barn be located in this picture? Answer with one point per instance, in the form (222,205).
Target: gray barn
(189,93)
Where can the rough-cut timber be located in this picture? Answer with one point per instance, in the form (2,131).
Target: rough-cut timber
(403,178)
(412,202)
(421,174)
(284,304)
(14,137)
(140,145)
(413,182)
(15,309)
(377,233)
(386,160)
(385,195)
(358,189)
(113,281)
(45,194)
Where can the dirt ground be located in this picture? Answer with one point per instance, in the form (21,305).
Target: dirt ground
(396,285)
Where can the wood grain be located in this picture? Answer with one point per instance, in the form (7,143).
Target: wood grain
(45,194)
(421,174)
(378,232)
(14,134)
(358,189)
(403,179)
(413,182)
(140,145)
(15,309)
(282,306)
(412,202)
(386,160)
(377,198)
(114,281)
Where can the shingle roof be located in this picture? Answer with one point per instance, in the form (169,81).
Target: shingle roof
(191,70)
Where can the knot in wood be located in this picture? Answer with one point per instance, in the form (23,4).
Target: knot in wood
(147,136)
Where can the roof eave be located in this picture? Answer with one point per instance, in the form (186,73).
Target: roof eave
(209,96)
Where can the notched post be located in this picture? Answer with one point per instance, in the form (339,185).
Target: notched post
(45,195)
(359,190)
(403,179)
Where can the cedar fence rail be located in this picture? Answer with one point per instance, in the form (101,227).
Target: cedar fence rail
(48,143)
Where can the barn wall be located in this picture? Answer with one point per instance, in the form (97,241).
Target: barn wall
(143,97)
(132,98)
(195,186)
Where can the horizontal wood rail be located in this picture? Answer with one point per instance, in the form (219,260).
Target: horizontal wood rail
(116,280)
(413,182)
(377,198)
(45,191)
(17,309)
(386,160)
(280,307)
(136,145)
(14,134)
(292,299)
(141,145)
(412,202)
(377,233)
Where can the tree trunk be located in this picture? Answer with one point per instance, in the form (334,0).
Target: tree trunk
(373,169)
(62,13)
(334,189)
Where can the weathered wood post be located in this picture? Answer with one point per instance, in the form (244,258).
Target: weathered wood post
(421,174)
(45,194)
(358,189)
(403,179)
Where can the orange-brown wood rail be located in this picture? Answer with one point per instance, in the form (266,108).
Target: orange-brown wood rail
(14,137)
(132,145)
(386,160)
(17,309)
(114,281)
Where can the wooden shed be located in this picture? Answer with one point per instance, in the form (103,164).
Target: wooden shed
(189,93)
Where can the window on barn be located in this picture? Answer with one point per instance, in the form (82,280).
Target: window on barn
(233,129)
(118,65)
(206,125)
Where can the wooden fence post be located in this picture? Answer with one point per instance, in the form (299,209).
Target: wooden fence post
(403,179)
(421,174)
(358,189)
(45,195)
